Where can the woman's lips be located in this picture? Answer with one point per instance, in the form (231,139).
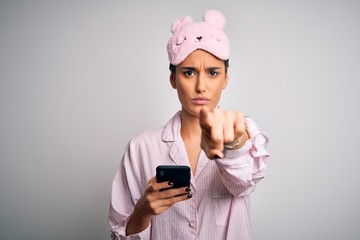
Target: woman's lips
(200,101)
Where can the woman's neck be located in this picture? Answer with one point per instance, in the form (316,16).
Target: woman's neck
(190,127)
(191,135)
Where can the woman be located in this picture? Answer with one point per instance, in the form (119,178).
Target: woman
(225,151)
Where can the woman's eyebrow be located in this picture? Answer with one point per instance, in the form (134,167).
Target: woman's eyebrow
(193,68)
(214,68)
(188,68)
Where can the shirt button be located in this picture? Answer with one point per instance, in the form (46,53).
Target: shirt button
(192,224)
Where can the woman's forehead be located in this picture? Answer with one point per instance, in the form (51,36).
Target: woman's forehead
(201,57)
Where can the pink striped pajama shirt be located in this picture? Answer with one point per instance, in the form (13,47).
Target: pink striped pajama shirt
(219,208)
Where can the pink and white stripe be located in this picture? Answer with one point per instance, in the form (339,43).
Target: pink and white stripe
(219,208)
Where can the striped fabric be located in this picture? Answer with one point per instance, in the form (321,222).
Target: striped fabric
(219,208)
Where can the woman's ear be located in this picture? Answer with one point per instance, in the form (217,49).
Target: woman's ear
(172,80)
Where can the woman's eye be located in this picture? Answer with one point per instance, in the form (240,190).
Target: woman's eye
(188,73)
(213,73)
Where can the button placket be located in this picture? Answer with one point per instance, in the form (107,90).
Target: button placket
(193,219)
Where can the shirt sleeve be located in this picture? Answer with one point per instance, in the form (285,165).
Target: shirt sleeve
(241,169)
(126,190)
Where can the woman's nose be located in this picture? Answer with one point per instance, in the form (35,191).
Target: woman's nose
(200,88)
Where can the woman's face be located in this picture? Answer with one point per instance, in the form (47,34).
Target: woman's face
(199,81)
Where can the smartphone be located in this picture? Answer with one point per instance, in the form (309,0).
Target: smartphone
(177,174)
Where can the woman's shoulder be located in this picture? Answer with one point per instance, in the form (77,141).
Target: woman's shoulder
(147,136)
(162,133)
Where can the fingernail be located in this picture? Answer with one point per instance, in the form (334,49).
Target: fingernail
(170,183)
(189,196)
(188,189)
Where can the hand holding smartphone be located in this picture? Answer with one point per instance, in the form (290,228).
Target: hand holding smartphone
(177,174)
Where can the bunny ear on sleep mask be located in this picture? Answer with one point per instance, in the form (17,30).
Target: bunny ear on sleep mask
(207,35)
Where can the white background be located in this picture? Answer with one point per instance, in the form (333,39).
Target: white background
(78,79)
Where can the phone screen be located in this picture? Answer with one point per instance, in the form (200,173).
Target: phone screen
(178,175)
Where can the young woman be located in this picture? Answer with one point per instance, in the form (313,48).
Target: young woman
(225,151)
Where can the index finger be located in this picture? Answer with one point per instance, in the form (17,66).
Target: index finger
(154,186)
(206,121)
